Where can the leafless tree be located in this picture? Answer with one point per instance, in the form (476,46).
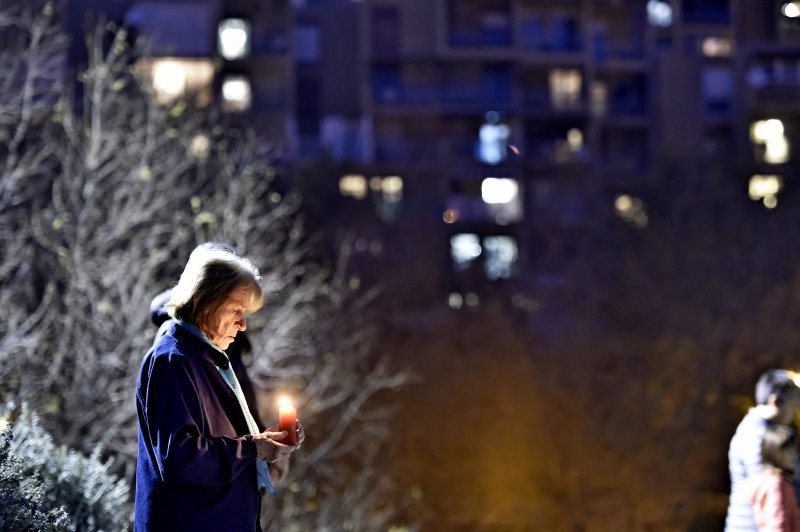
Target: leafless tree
(102,197)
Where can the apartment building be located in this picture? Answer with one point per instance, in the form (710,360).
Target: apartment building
(492,134)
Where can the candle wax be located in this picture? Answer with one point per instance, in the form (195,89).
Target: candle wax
(288,422)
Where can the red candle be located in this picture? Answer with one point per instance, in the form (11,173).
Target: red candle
(287,416)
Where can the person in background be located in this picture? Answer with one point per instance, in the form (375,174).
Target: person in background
(777,399)
(771,491)
(202,460)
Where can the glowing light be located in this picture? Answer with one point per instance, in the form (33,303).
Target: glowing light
(791,10)
(450,216)
(575,139)
(200,145)
(623,203)
(717,47)
(472,299)
(172,78)
(501,256)
(565,88)
(499,190)
(392,187)
(771,133)
(514,149)
(284,402)
(354,185)
(659,13)
(236,93)
(765,188)
(764,130)
(233,38)
(777,150)
(169,79)
(492,141)
(465,248)
(598,93)
(455,301)
(632,210)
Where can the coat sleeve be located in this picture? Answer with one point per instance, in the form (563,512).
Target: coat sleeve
(175,424)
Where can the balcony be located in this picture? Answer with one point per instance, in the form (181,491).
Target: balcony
(449,96)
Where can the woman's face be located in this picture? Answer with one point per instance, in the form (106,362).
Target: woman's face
(230,318)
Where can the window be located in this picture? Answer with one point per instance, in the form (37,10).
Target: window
(386,85)
(717,47)
(385,31)
(173,78)
(765,188)
(464,249)
(353,185)
(307,43)
(659,13)
(791,9)
(236,94)
(772,146)
(233,38)
(565,89)
(717,89)
(492,140)
(501,256)
(498,254)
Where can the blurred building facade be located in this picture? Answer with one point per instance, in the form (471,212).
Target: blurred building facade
(501,130)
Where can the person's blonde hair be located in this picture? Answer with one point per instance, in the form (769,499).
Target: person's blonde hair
(209,278)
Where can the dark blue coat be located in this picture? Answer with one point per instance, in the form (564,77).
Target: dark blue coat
(196,466)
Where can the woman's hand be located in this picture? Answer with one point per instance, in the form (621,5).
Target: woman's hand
(270,450)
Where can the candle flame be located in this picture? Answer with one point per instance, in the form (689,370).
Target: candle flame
(284,402)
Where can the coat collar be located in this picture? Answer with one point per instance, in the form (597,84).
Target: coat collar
(188,332)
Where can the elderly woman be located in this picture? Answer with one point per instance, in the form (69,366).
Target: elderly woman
(202,460)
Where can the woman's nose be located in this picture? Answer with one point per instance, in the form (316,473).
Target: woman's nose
(241,323)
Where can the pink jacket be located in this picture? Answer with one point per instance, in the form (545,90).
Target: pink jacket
(774,504)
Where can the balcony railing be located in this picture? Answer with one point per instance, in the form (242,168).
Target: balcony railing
(399,94)
(488,37)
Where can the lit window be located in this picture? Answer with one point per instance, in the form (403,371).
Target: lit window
(493,139)
(233,38)
(599,98)
(499,190)
(765,188)
(659,13)
(173,78)
(770,133)
(392,188)
(565,88)
(464,249)
(501,256)
(575,139)
(354,185)
(717,47)
(791,9)
(236,94)
(631,209)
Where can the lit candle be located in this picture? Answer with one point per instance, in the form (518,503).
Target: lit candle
(287,416)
